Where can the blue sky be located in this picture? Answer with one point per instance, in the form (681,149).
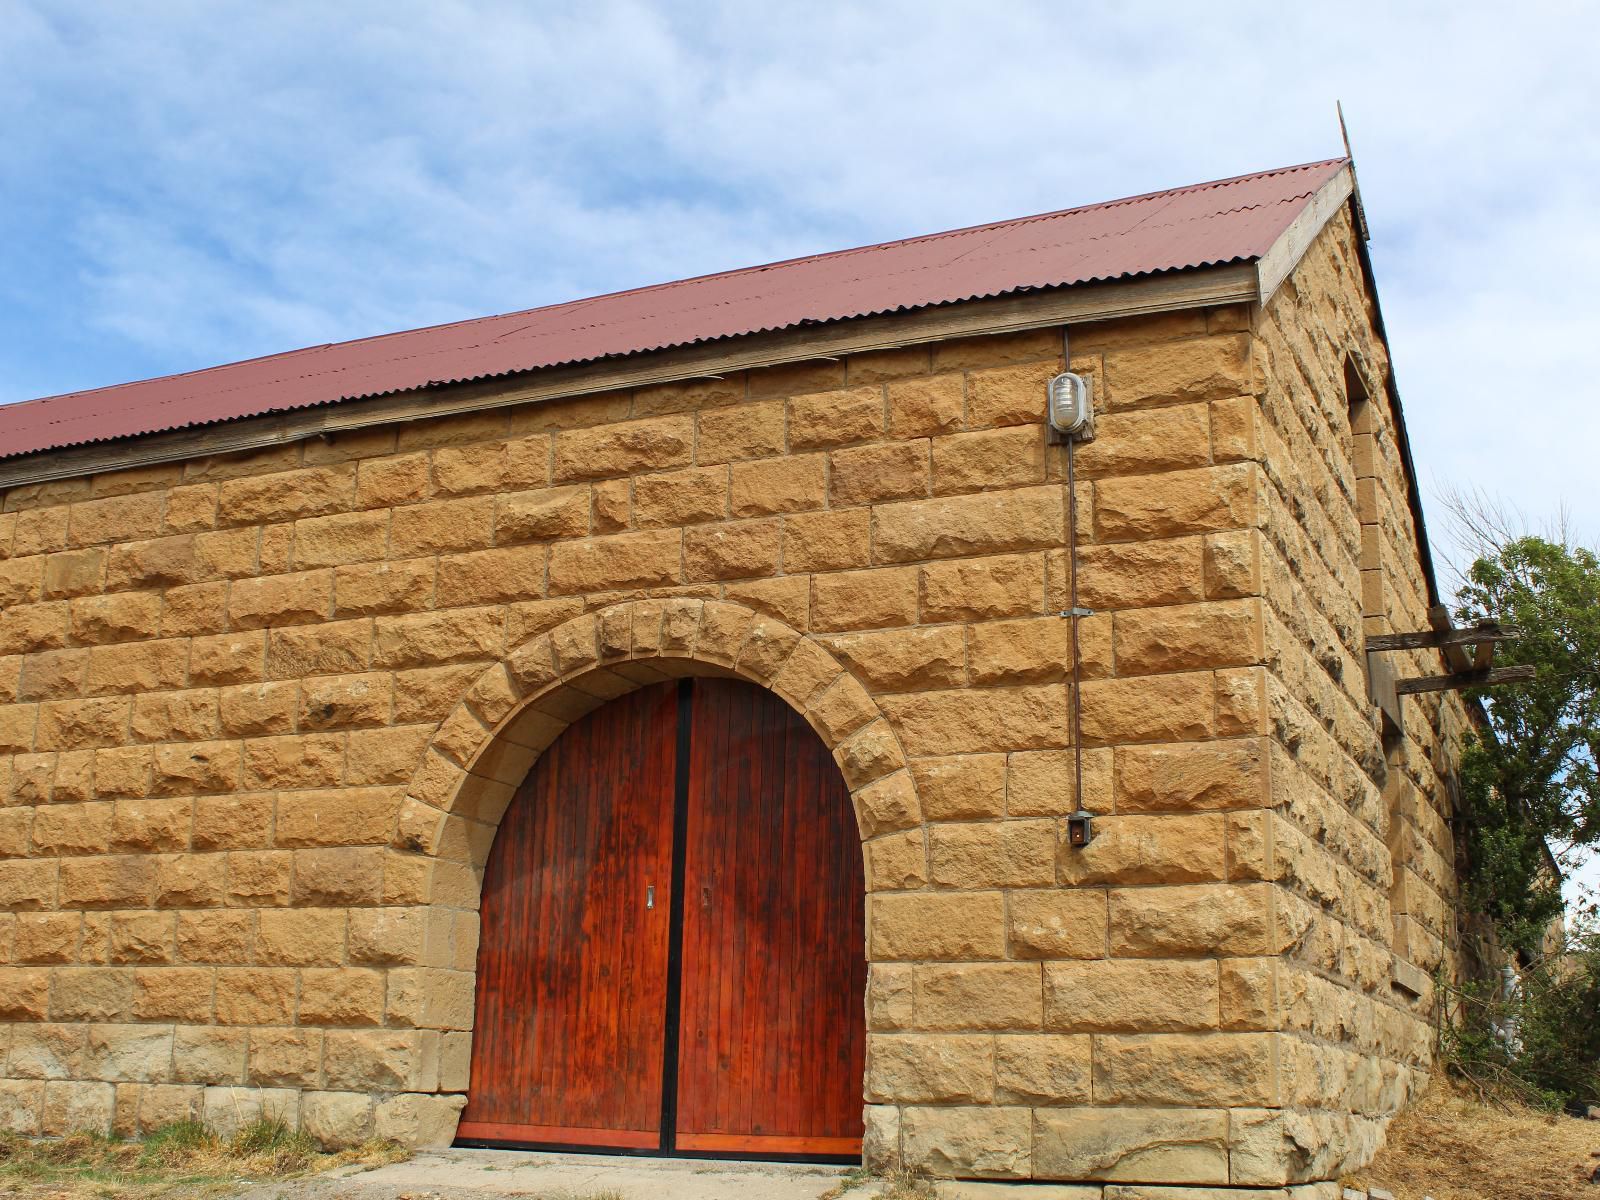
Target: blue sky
(187,183)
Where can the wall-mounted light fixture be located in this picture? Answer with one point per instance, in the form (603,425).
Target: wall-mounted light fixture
(1080,829)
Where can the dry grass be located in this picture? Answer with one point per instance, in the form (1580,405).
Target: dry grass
(1452,1145)
(182,1160)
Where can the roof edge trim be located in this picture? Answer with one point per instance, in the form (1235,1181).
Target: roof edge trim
(1196,287)
(1279,262)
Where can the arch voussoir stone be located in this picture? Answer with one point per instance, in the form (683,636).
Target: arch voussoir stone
(518,706)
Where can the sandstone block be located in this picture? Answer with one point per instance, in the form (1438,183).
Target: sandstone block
(1232,564)
(301,937)
(866,756)
(870,474)
(442,526)
(336,1119)
(932,926)
(208,1054)
(194,768)
(490,576)
(64,829)
(1159,708)
(28,627)
(887,804)
(430,998)
(624,448)
(73,1107)
(255,709)
(827,541)
(340,875)
(1174,503)
(260,878)
(1052,924)
(904,660)
(238,822)
(919,407)
(151,825)
(683,497)
(285,1057)
(112,618)
(1009,395)
(284,495)
(1220,1068)
(1183,1145)
(1220,634)
(1028,651)
(187,716)
(141,937)
(961,786)
(1148,849)
(21,1106)
(731,550)
(227,658)
(989,458)
(1009,854)
(927,1068)
(959,996)
(974,720)
(985,1143)
(837,418)
(339,539)
(28,885)
(172,994)
(851,600)
(1249,989)
(1019,519)
(425,638)
(114,519)
(889,996)
(1139,442)
(1192,920)
(1045,782)
(122,881)
(255,996)
(1119,995)
(185,880)
(897,861)
(383,587)
(381,1060)
(24,994)
(414,1120)
(341,996)
(46,937)
(281,600)
(1199,776)
(630,560)
(1215,367)
(1042,1069)
(739,432)
(82,724)
(215,937)
(129,1052)
(229,1109)
(191,611)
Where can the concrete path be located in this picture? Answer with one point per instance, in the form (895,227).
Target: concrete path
(484,1174)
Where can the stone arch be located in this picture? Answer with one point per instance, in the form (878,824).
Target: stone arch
(483,749)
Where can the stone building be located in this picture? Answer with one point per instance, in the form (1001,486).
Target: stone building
(284,645)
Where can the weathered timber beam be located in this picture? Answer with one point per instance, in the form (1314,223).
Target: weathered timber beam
(1462,679)
(1454,656)
(1433,639)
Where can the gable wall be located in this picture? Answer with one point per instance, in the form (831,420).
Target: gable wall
(246,703)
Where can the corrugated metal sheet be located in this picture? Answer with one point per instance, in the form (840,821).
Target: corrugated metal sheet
(1227,221)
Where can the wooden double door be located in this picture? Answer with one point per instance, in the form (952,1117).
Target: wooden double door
(671,956)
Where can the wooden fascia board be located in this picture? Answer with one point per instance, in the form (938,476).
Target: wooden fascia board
(1280,260)
(1233,283)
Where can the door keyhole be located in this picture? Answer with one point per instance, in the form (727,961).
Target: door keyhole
(705,898)
(650,896)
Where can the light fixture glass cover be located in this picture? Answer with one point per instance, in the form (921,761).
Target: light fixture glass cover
(1070,406)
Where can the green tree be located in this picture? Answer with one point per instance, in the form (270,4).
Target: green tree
(1530,779)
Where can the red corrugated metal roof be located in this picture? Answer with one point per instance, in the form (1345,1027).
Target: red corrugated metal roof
(1227,221)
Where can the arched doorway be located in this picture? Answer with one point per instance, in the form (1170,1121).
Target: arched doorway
(671,956)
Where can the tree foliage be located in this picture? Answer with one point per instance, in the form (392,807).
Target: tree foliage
(1530,779)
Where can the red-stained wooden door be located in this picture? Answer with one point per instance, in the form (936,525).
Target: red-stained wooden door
(772,1033)
(568,1044)
(671,957)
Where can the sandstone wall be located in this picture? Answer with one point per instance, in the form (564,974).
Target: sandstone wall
(1360,824)
(259,715)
